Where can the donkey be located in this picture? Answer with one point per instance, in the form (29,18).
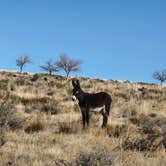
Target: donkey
(97,102)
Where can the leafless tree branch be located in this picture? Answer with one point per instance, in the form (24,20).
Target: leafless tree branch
(22,61)
(160,75)
(50,67)
(68,65)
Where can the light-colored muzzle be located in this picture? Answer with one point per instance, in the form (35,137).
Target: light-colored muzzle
(74,98)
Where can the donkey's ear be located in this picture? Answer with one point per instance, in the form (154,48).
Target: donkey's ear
(74,83)
(78,83)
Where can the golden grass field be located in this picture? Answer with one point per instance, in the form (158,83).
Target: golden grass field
(40,125)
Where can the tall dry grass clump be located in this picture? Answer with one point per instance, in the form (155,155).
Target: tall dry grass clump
(35,124)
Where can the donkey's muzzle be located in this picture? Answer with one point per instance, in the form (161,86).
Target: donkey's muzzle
(74,98)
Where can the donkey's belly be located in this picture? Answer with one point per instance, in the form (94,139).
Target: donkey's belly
(97,109)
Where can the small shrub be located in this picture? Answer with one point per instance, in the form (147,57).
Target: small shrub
(152,120)
(50,93)
(4,84)
(62,162)
(137,119)
(116,130)
(152,129)
(51,84)
(20,82)
(15,123)
(69,127)
(122,95)
(12,87)
(8,120)
(34,126)
(50,106)
(28,109)
(35,77)
(76,108)
(59,85)
(147,143)
(33,101)
(2,136)
(129,111)
(99,80)
(97,158)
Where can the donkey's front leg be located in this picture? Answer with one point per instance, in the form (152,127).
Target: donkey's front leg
(87,116)
(83,117)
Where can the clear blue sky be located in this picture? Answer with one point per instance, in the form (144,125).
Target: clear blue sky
(115,39)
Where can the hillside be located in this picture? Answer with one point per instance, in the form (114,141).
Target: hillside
(41,125)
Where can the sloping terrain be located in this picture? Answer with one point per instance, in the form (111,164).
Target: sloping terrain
(41,125)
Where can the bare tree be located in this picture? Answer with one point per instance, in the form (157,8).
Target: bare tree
(160,75)
(50,67)
(21,61)
(68,65)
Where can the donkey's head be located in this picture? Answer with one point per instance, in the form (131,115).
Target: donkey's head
(77,92)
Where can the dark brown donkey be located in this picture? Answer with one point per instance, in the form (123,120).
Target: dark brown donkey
(97,102)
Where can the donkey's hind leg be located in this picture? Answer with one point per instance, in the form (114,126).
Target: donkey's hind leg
(105,113)
(107,107)
(105,119)
(83,117)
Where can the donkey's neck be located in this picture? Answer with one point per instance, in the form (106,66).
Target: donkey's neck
(82,98)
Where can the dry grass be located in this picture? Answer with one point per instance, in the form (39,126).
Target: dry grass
(51,127)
